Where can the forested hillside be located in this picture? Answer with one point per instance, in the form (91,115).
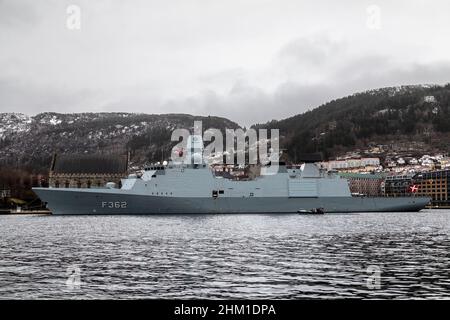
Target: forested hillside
(396,115)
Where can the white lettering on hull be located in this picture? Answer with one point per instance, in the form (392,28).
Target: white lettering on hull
(114,204)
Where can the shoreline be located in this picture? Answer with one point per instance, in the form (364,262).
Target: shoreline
(24,212)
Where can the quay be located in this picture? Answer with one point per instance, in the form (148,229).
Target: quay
(23,212)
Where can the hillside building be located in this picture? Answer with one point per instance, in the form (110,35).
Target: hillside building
(348,164)
(4,193)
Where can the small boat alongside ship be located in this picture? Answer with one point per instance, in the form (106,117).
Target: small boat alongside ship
(311,211)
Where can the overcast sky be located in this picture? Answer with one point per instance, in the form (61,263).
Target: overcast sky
(247,60)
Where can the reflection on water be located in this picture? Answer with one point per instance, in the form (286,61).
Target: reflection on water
(226,256)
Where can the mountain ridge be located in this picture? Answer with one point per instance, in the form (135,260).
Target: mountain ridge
(419,113)
(30,141)
(394,116)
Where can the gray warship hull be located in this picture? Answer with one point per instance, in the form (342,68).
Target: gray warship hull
(117,202)
(196,189)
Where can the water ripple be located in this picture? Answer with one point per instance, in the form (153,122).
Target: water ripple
(226,256)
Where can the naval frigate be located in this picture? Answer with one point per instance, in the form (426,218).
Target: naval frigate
(186,188)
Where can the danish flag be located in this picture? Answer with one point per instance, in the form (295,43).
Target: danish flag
(413,188)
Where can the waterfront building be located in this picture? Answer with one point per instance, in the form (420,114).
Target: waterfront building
(435,184)
(87,171)
(398,185)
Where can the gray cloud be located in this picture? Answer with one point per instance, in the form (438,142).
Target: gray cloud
(313,51)
(17,14)
(345,74)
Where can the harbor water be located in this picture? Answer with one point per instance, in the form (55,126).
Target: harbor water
(261,256)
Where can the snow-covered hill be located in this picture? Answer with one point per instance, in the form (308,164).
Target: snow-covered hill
(31,141)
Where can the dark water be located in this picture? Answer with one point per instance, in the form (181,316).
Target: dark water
(227,256)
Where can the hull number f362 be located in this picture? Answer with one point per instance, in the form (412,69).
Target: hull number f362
(114,204)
